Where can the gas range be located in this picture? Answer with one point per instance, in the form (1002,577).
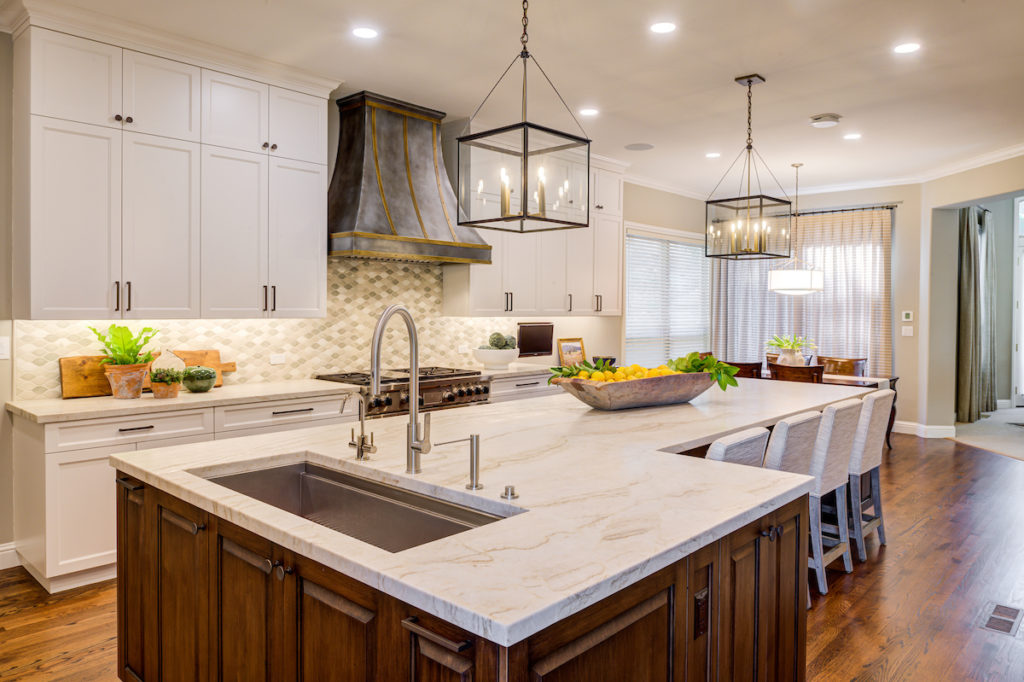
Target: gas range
(440,388)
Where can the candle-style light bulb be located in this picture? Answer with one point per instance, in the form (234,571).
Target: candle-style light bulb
(539,195)
(506,195)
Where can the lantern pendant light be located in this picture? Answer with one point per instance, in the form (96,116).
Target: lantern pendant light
(750,224)
(524,177)
(796,278)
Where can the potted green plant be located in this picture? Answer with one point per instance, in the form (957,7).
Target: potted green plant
(791,349)
(199,379)
(125,363)
(166,382)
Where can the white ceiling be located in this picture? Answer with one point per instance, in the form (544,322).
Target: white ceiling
(961,97)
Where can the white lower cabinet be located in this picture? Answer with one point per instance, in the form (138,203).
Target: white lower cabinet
(522,386)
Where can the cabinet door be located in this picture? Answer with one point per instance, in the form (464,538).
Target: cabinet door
(235,112)
(80,510)
(298,239)
(579,270)
(243,604)
(607,260)
(161,96)
(790,568)
(75,205)
(747,573)
(131,575)
(552,296)
(178,613)
(702,614)
(234,216)
(298,126)
(74,78)
(520,272)
(160,234)
(606,192)
(443,653)
(487,292)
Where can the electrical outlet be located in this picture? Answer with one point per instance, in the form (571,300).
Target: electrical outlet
(463,348)
(5,348)
(907,330)
(278,358)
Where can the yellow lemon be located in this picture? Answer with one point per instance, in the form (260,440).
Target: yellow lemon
(583,375)
(635,368)
(597,376)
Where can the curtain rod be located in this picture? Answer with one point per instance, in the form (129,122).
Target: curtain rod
(850,210)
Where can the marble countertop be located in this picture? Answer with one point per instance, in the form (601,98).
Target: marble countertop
(51,410)
(605,502)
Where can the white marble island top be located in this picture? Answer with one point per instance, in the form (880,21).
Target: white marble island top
(605,505)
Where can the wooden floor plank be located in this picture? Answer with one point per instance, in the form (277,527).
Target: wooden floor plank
(911,612)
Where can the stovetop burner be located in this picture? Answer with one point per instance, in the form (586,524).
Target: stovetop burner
(394,376)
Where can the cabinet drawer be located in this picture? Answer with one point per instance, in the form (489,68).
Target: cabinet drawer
(278,412)
(518,388)
(92,433)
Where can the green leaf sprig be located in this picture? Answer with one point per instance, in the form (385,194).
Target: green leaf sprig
(790,342)
(121,347)
(569,372)
(722,373)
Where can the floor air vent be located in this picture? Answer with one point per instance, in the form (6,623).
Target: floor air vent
(1002,619)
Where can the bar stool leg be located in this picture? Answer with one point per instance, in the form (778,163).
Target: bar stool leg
(858,517)
(844,527)
(816,561)
(876,502)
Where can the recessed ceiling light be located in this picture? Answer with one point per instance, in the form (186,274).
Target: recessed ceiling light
(588,111)
(825,120)
(663,27)
(906,48)
(851,136)
(639,146)
(364,32)
(712,155)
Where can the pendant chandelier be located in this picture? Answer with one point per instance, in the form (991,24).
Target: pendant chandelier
(749,224)
(524,177)
(796,278)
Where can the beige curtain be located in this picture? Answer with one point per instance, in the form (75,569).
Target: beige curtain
(851,318)
(975,352)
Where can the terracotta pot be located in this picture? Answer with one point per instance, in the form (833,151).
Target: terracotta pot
(126,380)
(162,390)
(793,357)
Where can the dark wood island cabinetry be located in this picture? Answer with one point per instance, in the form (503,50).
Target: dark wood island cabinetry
(200,598)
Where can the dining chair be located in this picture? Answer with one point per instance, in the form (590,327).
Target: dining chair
(830,466)
(751,370)
(813,374)
(772,357)
(866,458)
(743,447)
(856,367)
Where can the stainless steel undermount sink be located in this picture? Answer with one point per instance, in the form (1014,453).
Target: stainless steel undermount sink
(389,517)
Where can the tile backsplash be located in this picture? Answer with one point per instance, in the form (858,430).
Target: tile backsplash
(357,292)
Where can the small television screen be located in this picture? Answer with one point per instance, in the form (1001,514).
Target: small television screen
(535,339)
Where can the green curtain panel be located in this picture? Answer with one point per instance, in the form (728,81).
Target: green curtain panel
(975,352)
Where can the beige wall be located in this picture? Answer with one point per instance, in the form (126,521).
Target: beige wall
(664,209)
(6,491)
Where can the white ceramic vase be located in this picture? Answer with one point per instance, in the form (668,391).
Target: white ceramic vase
(791,356)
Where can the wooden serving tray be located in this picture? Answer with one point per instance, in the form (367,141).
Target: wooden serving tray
(82,376)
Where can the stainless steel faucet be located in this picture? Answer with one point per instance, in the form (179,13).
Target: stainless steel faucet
(417,437)
(364,445)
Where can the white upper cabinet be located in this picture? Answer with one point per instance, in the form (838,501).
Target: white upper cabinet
(608,246)
(161,96)
(73,231)
(235,221)
(298,126)
(520,273)
(160,227)
(579,271)
(236,112)
(298,239)
(606,192)
(552,295)
(487,295)
(74,78)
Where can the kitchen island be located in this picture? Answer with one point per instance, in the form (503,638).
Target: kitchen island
(618,560)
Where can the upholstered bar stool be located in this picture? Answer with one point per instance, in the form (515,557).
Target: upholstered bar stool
(743,447)
(866,458)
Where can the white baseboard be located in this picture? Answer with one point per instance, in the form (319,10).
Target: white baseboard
(924,430)
(1004,404)
(8,556)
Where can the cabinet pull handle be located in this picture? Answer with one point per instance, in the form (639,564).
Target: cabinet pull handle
(129,119)
(511,301)
(412,625)
(266,304)
(770,533)
(128,485)
(265,145)
(117,296)
(700,613)
(570,303)
(506,301)
(295,411)
(250,557)
(181,522)
(529,383)
(778,531)
(599,207)
(273,298)
(283,570)
(129,429)
(118,117)
(128,306)
(273,147)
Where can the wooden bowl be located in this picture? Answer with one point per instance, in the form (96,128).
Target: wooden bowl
(673,389)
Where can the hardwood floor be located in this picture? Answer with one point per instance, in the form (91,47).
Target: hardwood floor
(912,612)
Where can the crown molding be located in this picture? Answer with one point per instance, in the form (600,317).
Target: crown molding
(104,28)
(644,181)
(608,163)
(985,159)
(12,14)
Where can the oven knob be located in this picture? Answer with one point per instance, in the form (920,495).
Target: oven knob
(403,398)
(461,391)
(388,401)
(448,397)
(421,401)
(478,389)
(487,389)
(376,402)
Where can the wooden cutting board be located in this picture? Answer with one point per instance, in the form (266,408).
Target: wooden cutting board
(81,376)
(207,358)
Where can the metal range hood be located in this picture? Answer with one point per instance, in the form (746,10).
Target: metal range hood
(390,197)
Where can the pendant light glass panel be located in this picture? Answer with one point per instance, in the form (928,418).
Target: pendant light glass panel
(747,228)
(497,168)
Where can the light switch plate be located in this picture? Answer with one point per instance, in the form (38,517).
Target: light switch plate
(278,358)
(907,330)
(907,316)
(5,348)
(463,348)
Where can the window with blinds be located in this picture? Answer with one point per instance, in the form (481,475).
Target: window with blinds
(851,318)
(667,310)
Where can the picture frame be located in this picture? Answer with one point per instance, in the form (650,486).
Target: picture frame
(571,352)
